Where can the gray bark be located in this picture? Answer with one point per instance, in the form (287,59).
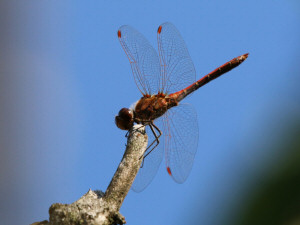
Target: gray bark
(96,207)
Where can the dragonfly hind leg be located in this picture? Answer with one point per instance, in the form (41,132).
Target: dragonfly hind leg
(147,152)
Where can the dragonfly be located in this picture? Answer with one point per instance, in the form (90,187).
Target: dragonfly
(164,80)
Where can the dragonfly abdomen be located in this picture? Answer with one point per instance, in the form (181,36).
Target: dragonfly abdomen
(209,77)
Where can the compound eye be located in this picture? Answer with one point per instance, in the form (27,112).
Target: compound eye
(126,113)
(124,120)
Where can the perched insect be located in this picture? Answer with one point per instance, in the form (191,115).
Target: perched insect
(164,80)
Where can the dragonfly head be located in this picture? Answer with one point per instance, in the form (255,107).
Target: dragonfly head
(124,120)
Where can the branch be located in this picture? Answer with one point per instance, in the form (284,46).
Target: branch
(98,208)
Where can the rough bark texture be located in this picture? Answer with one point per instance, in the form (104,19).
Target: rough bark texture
(95,207)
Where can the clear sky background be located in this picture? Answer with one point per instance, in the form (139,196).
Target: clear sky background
(64,77)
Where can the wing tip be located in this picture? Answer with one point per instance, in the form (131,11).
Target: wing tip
(159,29)
(119,34)
(169,171)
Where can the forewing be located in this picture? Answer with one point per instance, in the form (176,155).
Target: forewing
(181,141)
(143,59)
(152,161)
(177,68)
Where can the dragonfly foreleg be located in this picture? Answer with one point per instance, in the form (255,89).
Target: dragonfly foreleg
(128,132)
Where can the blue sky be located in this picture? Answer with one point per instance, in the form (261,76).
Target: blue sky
(66,77)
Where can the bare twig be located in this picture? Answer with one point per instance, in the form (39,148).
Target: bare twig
(128,168)
(102,209)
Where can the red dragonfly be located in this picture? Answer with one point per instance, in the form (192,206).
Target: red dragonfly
(164,79)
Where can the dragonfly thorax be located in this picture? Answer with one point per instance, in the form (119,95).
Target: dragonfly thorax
(144,111)
(149,108)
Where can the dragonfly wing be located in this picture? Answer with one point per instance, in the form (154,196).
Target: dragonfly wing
(143,59)
(181,141)
(177,68)
(151,162)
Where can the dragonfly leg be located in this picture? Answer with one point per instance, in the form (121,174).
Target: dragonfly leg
(127,133)
(152,125)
